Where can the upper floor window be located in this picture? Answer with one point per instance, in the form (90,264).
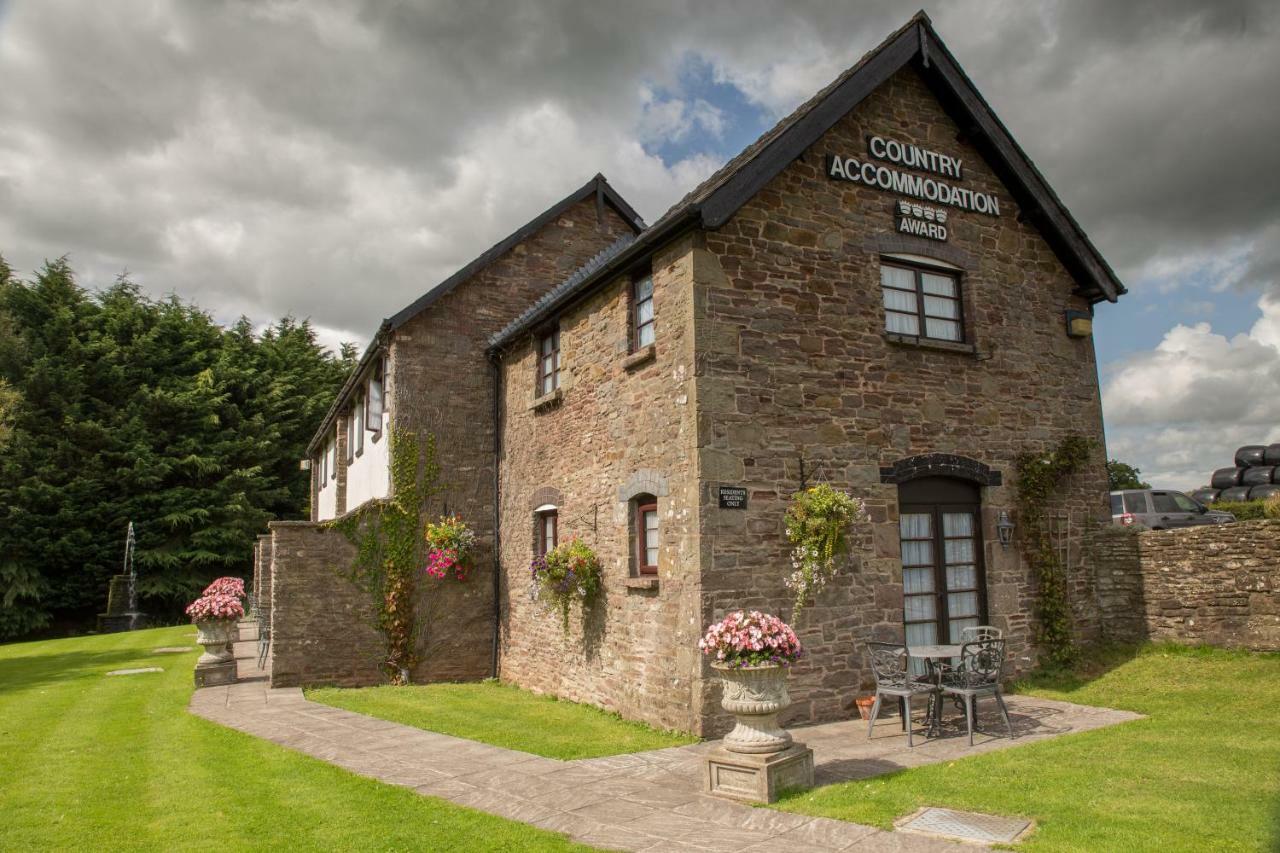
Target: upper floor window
(331,458)
(547,530)
(358,414)
(646,534)
(921,302)
(642,312)
(321,463)
(549,363)
(373,401)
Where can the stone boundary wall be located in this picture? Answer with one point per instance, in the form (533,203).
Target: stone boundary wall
(262,576)
(1217,584)
(323,626)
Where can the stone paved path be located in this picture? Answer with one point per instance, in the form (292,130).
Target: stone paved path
(647,801)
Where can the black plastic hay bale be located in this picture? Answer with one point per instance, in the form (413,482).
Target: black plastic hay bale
(1205,495)
(1225,478)
(1250,455)
(1236,493)
(1261,493)
(1272,455)
(1260,475)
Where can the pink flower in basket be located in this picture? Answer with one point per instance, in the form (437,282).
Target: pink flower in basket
(751,639)
(219,606)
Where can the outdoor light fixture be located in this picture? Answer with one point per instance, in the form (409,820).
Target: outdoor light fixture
(1004,529)
(1079,324)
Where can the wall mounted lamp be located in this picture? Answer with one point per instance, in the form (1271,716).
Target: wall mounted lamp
(1004,529)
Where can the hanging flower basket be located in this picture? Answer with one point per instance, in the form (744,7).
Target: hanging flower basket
(569,572)
(817,523)
(450,548)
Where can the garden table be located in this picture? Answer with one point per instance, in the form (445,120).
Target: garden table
(931,654)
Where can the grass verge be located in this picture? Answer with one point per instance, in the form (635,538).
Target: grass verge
(504,715)
(1202,772)
(96,762)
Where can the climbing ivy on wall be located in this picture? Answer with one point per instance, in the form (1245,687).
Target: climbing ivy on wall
(388,535)
(1040,477)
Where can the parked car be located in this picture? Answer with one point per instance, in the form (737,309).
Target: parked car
(1161,508)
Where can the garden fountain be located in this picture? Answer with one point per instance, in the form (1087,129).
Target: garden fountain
(122,596)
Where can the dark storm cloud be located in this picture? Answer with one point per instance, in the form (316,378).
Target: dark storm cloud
(335,159)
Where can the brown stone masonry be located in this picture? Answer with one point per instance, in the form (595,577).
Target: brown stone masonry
(323,626)
(624,426)
(1216,584)
(795,364)
(440,382)
(262,574)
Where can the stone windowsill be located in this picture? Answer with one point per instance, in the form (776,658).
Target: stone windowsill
(649,582)
(546,401)
(926,343)
(640,357)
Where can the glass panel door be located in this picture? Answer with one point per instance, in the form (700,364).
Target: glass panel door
(961,553)
(919,578)
(943,588)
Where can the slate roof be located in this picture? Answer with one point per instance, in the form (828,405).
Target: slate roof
(598,187)
(569,285)
(715,200)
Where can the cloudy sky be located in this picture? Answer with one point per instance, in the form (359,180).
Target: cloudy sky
(334,160)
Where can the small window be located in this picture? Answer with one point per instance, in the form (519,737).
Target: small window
(921,303)
(320,464)
(549,363)
(547,534)
(1163,502)
(331,458)
(373,401)
(642,311)
(359,430)
(1135,501)
(646,535)
(350,423)
(1117,505)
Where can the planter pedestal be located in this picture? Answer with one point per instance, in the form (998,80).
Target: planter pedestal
(213,674)
(217,665)
(759,778)
(758,760)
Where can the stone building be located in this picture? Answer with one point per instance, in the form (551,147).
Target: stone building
(881,293)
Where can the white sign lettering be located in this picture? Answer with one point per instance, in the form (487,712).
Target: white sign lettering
(904,154)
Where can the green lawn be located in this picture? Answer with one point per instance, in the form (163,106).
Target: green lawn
(504,716)
(90,762)
(1201,773)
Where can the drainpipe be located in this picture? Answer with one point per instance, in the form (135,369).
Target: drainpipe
(497,512)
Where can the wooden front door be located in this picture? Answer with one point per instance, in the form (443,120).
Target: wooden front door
(943,582)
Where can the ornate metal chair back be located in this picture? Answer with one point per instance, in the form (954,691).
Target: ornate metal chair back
(980,632)
(980,663)
(889,664)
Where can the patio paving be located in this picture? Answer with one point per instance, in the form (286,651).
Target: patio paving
(650,801)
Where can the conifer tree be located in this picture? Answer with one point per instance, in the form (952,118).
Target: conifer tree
(126,409)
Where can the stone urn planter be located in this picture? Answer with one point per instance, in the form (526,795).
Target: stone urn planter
(755,695)
(215,636)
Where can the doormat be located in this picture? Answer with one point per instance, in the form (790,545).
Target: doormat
(966,826)
(135,671)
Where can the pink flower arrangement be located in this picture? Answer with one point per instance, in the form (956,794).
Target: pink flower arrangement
(450,544)
(218,606)
(751,639)
(442,561)
(226,586)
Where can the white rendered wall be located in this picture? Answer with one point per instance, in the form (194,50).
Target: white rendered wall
(327,500)
(369,474)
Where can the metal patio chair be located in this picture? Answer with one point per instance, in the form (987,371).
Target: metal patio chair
(977,675)
(889,664)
